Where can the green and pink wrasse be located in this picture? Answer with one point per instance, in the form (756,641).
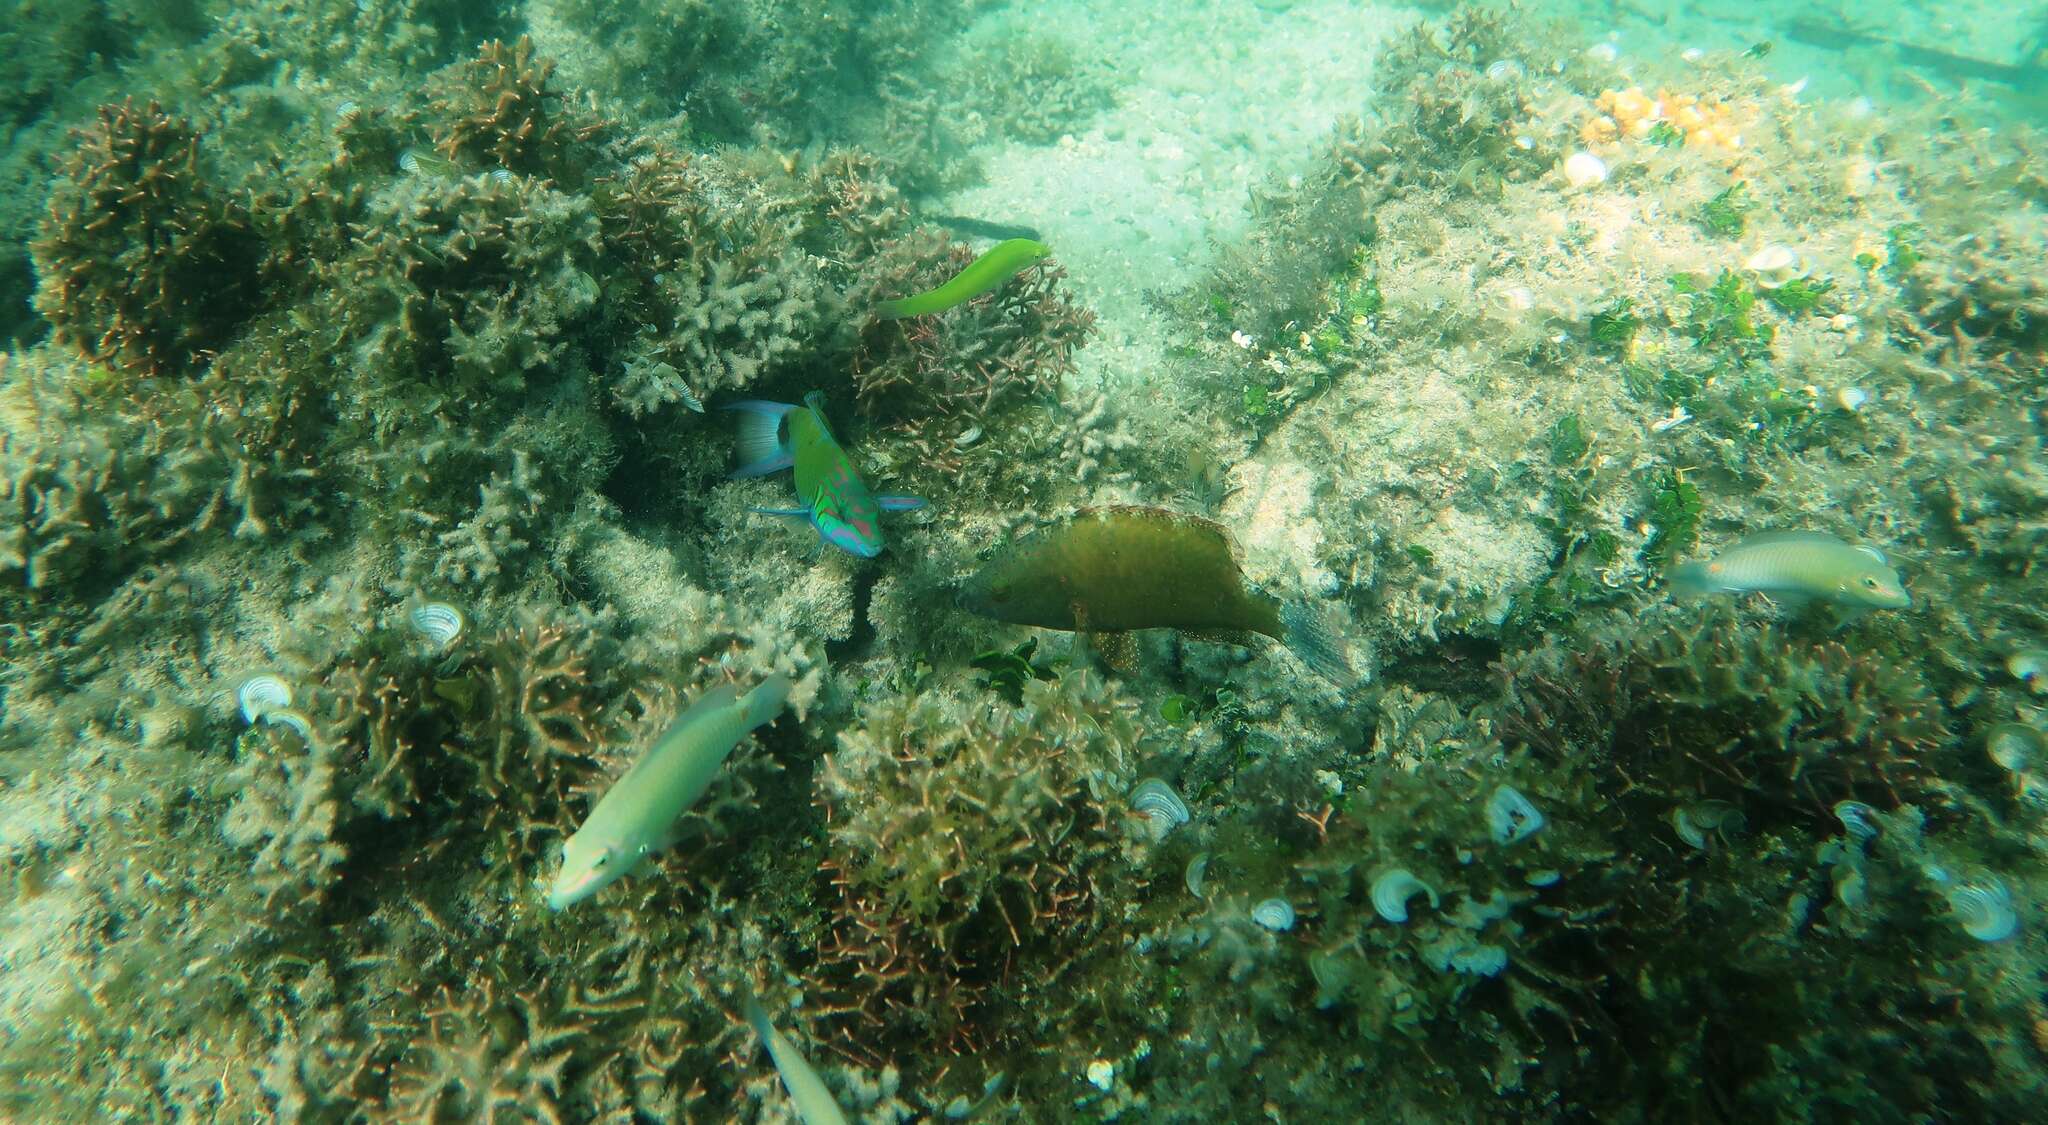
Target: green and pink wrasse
(775,436)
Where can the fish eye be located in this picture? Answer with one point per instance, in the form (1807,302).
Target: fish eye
(603,858)
(1869,582)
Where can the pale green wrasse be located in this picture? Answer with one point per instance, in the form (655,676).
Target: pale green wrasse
(807,1092)
(637,816)
(1003,261)
(1797,566)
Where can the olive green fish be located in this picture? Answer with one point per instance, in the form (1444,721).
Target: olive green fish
(1111,570)
(1003,261)
(807,1092)
(1797,566)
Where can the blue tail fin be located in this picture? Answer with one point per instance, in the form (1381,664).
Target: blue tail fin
(763,448)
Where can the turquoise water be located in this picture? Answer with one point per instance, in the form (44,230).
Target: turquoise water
(1448,564)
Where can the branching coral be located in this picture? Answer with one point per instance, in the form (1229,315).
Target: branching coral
(145,262)
(501,111)
(969,843)
(933,378)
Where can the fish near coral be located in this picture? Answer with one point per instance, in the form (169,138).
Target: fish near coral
(1112,570)
(1796,567)
(807,1092)
(637,816)
(1003,261)
(776,436)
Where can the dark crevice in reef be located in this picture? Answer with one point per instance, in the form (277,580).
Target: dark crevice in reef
(862,638)
(1458,665)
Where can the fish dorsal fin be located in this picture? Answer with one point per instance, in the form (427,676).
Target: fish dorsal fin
(816,402)
(1874,553)
(1766,538)
(1173,518)
(724,695)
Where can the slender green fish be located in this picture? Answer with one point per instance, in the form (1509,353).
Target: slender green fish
(1111,570)
(1002,262)
(807,1092)
(1795,567)
(637,816)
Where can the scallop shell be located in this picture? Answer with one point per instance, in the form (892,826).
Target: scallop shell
(1695,822)
(1392,890)
(439,622)
(1161,807)
(291,720)
(1510,817)
(1859,820)
(499,176)
(1985,912)
(1478,961)
(1275,914)
(1583,170)
(2030,667)
(1196,874)
(1500,70)
(2016,746)
(261,694)
(1774,265)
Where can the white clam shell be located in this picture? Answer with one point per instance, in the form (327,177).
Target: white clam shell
(1859,821)
(2015,746)
(2030,667)
(1161,807)
(1583,170)
(1774,265)
(1275,914)
(439,622)
(1197,874)
(1510,817)
(291,720)
(1984,911)
(261,694)
(1392,890)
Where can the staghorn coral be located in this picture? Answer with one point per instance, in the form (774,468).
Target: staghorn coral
(931,379)
(501,111)
(284,807)
(1019,818)
(145,263)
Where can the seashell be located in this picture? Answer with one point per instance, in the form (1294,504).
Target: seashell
(1161,807)
(346,110)
(1544,878)
(2016,746)
(1603,52)
(1985,912)
(409,162)
(1692,54)
(261,694)
(500,176)
(1851,888)
(1510,818)
(291,720)
(968,437)
(1392,890)
(1517,298)
(1196,874)
(1851,399)
(1501,70)
(1694,822)
(2030,667)
(439,622)
(1275,914)
(1774,265)
(1583,170)
(1859,820)
(1478,961)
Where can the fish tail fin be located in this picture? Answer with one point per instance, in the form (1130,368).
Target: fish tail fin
(1689,580)
(766,700)
(763,449)
(755,1015)
(1309,635)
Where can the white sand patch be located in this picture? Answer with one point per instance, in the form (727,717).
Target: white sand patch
(1215,98)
